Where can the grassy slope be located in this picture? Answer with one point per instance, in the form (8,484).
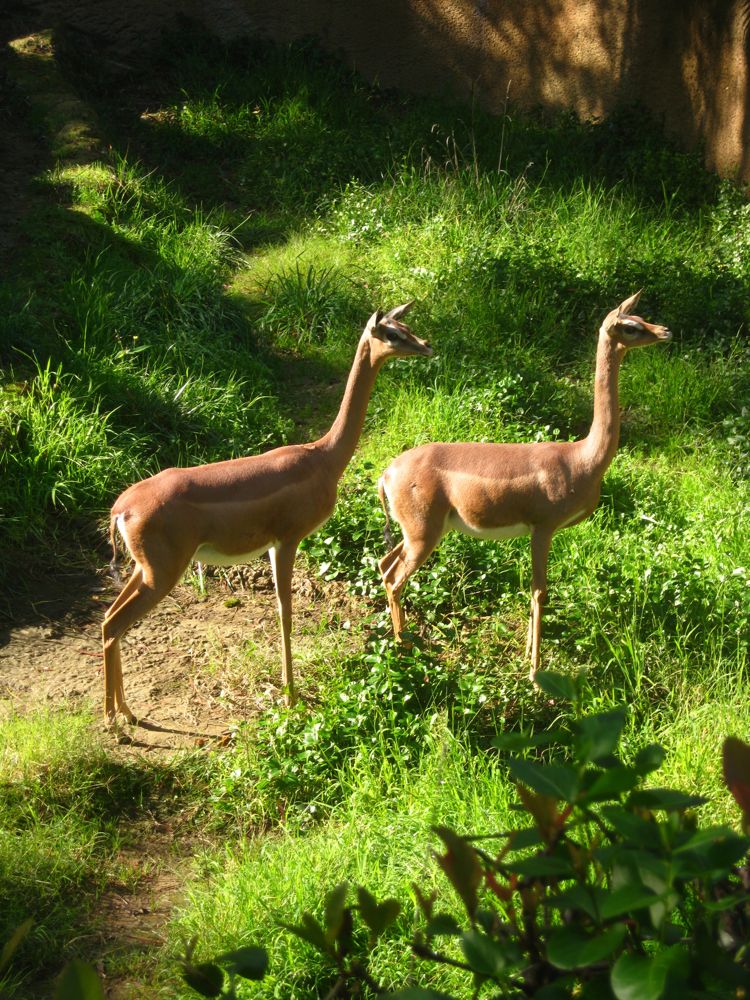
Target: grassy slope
(178,297)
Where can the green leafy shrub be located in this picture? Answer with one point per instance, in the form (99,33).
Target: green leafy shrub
(381,702)
(208,978)
(608,887)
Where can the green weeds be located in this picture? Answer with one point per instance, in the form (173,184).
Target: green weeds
(195,294)
(65,804)
(380,705)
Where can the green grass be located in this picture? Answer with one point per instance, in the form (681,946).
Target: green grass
(190,296)
(68,806)
(378,836)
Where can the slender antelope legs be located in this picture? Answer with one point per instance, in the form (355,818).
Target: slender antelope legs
(141,593)
(282,563)
(396,568)
(506,490)
(227,513)
(540,545)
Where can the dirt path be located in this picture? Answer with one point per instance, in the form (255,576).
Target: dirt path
(195,665)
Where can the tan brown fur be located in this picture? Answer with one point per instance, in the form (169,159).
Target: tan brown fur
(228,511)
(488,489)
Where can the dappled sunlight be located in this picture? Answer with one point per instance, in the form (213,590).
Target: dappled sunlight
(195,291)
(70,124)
(580,64)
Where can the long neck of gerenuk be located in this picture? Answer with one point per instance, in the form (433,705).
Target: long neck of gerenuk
(341,440)
(603,438)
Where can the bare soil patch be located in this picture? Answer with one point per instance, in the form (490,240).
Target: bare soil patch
(193,667)
(133,917)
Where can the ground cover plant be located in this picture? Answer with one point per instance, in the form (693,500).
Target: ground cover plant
(193,292)
(602,887)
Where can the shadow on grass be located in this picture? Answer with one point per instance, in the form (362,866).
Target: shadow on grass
(65,828)
(270,131)
(259,126)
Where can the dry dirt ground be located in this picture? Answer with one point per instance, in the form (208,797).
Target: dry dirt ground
(198,663)
(194,667)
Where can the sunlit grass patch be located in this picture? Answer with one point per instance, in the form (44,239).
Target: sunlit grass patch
(203,299)
(378,837)
(693,740)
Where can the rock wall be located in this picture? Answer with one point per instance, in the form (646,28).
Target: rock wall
(687,60)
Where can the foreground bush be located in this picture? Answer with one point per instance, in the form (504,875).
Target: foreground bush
(607,887)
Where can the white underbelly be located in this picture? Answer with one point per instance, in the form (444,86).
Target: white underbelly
(210,556)
(573,517)
(502,531)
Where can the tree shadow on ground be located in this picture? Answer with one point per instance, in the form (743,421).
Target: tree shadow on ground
(291,123)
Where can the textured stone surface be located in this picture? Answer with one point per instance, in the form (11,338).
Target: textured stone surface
(684,59)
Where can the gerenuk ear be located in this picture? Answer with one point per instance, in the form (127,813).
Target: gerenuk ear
(374,319)
(626,307)
(399,311)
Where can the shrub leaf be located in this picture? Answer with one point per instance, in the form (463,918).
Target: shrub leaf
(205,978)
(572,948)
(249,962)
(599,734)
(79,981)
(461,865)
(640,977)
(549,779)
(377,916)
(484,954)
(556,685)
(649,758)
